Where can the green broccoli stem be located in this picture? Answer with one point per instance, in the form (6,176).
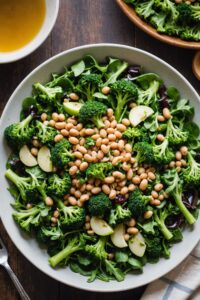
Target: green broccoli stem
(98,122)
(189,217)
(12,176)
(166,232)
(26,121)
(72,247)
(121,102)
(60,204)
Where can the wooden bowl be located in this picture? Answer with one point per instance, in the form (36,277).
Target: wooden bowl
(131,14)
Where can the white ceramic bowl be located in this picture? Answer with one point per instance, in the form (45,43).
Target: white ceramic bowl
(52,8)
(28,246)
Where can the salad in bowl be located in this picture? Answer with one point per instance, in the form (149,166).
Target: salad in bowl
(104,168)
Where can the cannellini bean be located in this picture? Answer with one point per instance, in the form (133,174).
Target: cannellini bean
(78,154)
(158,187)
(88,158)
(110,130)
(55,116)
(105,141)
(112,194)
(166,113)
(84,198)
(124,190)
(184,150)
(64,132)
(128,148)
(136,179)
(106,90)
(154,194)
(60,125)
(121,127)
(143,176)
(114,145)
(118,175)
(143,185)
(73,132)
(73,140)
(105,149)
(116,160)
(98,142)
(74,96)
(103,133)
(72,200)
(151,175)
(73,170)
(77,194)
(148,214)
(109,179)
(113,124)
(130,175)
(58,138)
(126,122)
(118,134)
(89,131)
(83,166)
(48,201)
(106,189)
(131,187)
(132,230)
(96,190)
(178,155)
(131,222)
(82,149)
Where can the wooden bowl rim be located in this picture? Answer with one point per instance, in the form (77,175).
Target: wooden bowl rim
(131,14)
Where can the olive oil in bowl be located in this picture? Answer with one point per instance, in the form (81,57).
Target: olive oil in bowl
(20,21)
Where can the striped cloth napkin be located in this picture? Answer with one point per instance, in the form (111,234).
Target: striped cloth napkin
(180,284)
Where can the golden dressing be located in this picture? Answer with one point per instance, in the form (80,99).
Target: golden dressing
(20,21)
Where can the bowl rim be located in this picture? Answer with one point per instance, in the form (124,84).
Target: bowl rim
(35,43)
(146,27)
(3,216)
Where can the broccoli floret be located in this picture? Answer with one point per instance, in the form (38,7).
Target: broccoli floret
(158,20)
(45,133)
(131,134)
(149,96)
(99,170)
(185,13)
(191,174)
(89,142)
(99,205)
(59,186)
(92,111)
(98,251)
(18,134)
(160,216)
(175,189)
(167,6)
(123,91)
(191,33)
(153,247)
(74,244)
(144,152)
(145,9)
(89,84)
(28,218)
(71,217)
(26,186)
(195,12)
(175,134)
(119,215)
(47,93)
(60,153)
(137,203)
(45,234)
(162,152)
